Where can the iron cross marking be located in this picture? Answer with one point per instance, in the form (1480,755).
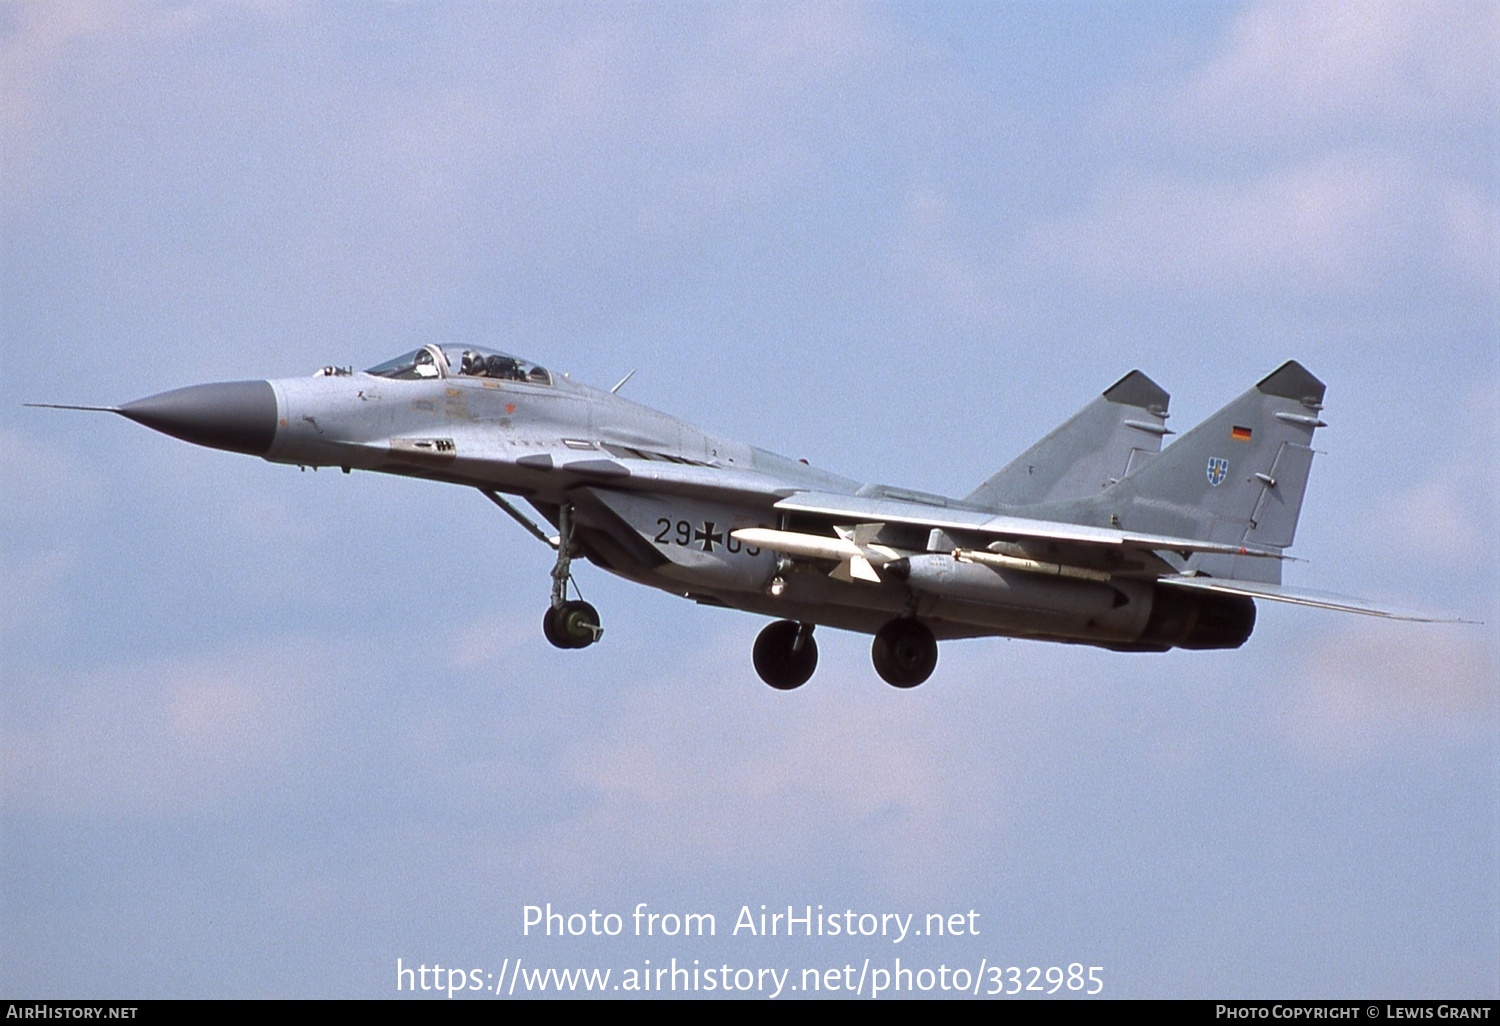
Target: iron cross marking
(708,536)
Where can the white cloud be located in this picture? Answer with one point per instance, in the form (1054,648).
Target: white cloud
(171,737)
(1436,519)
(47,498)
(1293,70)
(1335,149)
(38,49)
(501,143)
(42,482)
(595,114)
(1371,688)
(886,784)
(1343,224)
(935,265)
(1446,516)
(1469,224)
(489,643)
(33,587)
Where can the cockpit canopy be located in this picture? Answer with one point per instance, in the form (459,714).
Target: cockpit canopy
(443,361)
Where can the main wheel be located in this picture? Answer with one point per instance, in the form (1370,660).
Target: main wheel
(905,653)
(776,660)
(573,624)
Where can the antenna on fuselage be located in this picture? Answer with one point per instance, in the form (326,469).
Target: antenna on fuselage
(619,384)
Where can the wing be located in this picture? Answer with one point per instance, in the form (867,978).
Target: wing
(886,529)
(1296,597)
(1079,546)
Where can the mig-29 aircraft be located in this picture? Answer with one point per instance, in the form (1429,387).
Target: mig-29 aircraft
(1095,535)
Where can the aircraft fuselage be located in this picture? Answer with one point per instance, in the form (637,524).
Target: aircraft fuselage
(1095,535)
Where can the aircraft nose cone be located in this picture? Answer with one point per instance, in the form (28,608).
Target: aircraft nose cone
(236,415)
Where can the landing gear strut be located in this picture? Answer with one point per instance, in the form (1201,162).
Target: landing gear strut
(905,653)
(786,654)
(568,623)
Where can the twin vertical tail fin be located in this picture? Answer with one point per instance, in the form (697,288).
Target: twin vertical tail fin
(1238,477)
(1107,439)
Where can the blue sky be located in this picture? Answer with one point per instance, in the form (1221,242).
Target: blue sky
(266,732)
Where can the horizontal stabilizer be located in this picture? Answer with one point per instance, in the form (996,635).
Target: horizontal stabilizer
(1315,599)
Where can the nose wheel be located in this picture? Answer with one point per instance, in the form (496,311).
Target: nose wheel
(573,624)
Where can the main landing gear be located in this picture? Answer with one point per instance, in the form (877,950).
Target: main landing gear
(905,653)
(786,654)
(568,623)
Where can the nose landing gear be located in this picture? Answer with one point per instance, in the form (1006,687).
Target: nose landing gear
(568,623)
(573,624)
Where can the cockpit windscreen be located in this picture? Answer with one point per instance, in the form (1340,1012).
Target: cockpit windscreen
(442,361)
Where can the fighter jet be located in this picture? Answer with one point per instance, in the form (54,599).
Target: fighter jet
(1095,535)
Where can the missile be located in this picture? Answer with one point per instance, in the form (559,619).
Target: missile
(1032,566)
(1010,582)
(857,557)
